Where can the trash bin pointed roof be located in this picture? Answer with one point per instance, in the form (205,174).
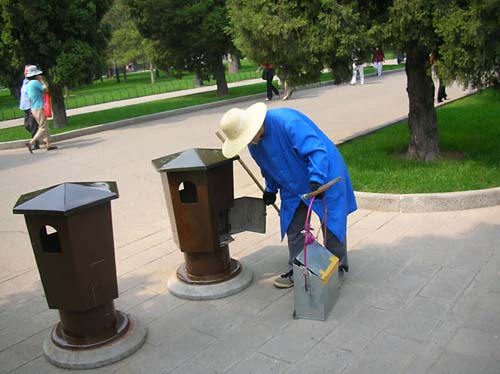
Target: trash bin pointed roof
(192,159)
(66,198)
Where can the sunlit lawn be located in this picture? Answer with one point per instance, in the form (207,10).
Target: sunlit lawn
(469,133)
(131,111)
(138,84)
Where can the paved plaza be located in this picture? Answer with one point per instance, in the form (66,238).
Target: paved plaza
(422,294)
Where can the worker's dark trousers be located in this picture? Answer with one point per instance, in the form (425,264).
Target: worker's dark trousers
(296,239)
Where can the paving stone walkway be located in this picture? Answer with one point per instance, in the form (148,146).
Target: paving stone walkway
(422,296)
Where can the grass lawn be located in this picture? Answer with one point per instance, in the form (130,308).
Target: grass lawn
(138,84)
(131,111)
(469,133)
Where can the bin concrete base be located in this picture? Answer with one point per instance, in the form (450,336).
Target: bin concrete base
(106,354)
(187,291)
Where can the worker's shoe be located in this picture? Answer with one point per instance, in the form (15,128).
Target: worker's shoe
(284,280)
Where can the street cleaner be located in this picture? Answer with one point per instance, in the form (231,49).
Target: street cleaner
(294,157)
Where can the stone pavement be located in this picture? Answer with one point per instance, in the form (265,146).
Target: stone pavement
(422,296)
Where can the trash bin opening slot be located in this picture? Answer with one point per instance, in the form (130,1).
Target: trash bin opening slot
(49,237)
(187,192)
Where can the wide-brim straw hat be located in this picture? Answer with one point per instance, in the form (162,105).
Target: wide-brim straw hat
(240,127)
(32,71)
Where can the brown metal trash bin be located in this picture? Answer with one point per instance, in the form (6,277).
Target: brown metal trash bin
(71,234)
(199,192)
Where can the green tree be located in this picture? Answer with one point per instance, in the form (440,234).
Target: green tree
(189,35)
(11,74)
(471,42)
(299,37)
(410,26)
(126,43)
(462,34)
(63,37)
(302,37)
(342,34)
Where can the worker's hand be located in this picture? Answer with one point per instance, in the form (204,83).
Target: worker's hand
(269,198)
(314,187)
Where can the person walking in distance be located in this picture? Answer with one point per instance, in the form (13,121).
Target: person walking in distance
(436,74)
(358,65)
(35,89)
(24,104)
(268,75)
(378,60)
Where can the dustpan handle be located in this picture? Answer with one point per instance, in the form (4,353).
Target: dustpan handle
(307,227)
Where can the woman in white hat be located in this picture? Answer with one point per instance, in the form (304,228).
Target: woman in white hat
(294,156)
(24,104)
(35,89)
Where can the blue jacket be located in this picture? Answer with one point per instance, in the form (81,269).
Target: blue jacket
(34,90)
(293,153)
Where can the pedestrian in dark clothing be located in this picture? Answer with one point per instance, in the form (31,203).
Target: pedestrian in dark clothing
(435,66)
(441,91)
(268,75)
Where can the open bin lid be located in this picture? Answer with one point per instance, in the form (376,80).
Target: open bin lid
(320,261)
(247,214)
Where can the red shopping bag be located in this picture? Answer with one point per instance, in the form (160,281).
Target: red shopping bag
(47,108)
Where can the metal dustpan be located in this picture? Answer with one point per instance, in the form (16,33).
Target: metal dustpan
(320,261)
(316,287)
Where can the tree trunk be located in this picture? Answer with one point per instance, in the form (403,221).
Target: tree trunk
(125,79)
(285,81)
(15,90)
(422,119)
(152,73)
(287,90)
(233,63)
(198,80)
(117,72)
(58,106)
(220,78)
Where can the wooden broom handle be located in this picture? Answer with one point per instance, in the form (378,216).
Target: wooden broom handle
(321,189)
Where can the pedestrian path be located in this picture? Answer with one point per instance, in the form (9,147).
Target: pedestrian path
(422,295)
(144,99)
